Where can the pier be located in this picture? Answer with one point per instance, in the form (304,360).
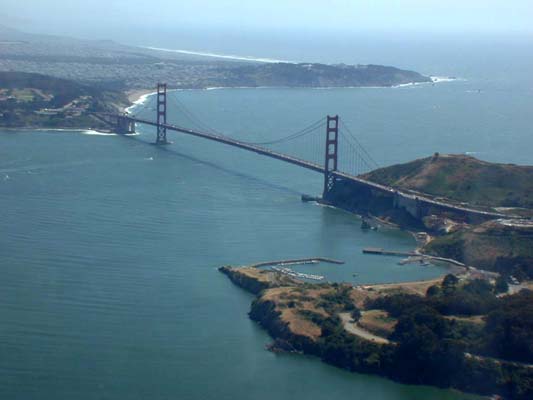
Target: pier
(379,251)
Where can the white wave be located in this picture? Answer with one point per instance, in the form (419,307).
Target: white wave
(69,130)
(96,133)
(440,79)
(224,56)
(402,85)
(139,101)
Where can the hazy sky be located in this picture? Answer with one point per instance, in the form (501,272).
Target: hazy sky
(432,16)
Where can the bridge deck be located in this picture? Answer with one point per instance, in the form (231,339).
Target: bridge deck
(239,144)
(319,168)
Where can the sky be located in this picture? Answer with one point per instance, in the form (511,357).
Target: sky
(104,18)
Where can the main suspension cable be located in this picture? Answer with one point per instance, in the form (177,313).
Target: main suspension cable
(359,145)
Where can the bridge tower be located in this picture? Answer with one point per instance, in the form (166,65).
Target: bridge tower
(332,146)
(161,114)
(125,125)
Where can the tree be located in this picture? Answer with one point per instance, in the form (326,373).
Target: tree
(450,281)
(509,328)
(356,314)
(422,353)
(501,285)
(433,291)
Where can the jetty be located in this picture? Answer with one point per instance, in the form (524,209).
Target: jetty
(414,254)
(380,251)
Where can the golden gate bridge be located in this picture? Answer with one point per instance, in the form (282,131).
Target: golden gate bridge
(339,156)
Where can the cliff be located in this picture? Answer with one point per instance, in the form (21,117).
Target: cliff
(255,280)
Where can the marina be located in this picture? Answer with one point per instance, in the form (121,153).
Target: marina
(294,274)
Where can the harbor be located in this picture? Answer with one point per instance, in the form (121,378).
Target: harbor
(281,266)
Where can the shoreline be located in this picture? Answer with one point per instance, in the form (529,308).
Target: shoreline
(137,97)
(316,319)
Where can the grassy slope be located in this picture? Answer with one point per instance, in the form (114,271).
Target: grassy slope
(490,246)
(463,178)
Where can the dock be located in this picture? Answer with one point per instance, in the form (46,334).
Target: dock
(380,251)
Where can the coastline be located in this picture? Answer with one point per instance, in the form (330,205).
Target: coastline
(139,96)
(136,97)
(433,81)
(318,319)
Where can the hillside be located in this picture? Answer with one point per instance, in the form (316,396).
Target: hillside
(35,100)
(463,179)
(320,75)
(495,245)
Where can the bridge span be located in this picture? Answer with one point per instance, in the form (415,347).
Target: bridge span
(415,204)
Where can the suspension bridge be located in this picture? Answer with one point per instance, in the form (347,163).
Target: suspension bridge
(306,148)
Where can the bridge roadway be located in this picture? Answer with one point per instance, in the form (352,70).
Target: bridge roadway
(319,168)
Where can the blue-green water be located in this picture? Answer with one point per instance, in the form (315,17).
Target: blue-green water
(110,245)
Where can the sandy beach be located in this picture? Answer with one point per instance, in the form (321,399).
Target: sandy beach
(137,96)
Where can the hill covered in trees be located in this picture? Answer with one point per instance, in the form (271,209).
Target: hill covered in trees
(36,100)
(455,332)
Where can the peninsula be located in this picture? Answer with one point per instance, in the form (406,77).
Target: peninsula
(452,332)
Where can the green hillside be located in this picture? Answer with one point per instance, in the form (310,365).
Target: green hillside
(492,245)
(462,178)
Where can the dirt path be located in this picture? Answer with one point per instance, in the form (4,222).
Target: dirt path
(358,331)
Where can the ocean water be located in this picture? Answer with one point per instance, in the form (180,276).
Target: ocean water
(110,245)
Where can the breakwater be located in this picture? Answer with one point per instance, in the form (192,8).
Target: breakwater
(296,261)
